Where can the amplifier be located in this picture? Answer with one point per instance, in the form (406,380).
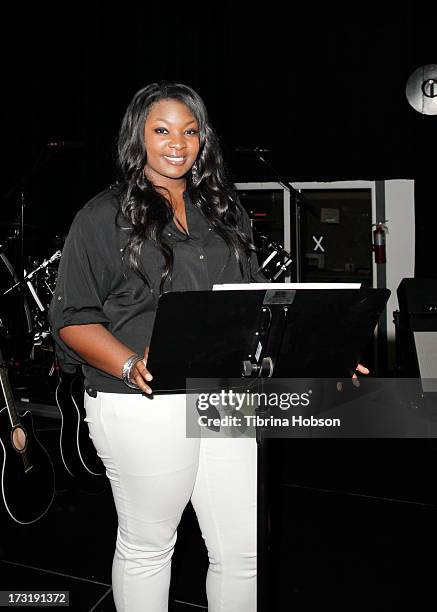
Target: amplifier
(416,331)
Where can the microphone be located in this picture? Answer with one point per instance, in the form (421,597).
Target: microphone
(251,150)
(64,144)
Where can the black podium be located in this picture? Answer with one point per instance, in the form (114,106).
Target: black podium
(255,334)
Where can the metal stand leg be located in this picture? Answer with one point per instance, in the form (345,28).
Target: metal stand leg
(263,535)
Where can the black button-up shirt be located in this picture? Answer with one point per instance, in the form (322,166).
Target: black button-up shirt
(96,285)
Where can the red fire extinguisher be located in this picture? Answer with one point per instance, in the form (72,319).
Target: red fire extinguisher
(379,241)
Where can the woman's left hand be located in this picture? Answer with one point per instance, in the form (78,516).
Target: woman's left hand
(361,369)
(355,381)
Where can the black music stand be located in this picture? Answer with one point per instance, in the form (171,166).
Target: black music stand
(260,333)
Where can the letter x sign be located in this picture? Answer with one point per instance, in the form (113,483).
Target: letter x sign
(318,242)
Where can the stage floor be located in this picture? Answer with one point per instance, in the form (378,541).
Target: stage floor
(353,524)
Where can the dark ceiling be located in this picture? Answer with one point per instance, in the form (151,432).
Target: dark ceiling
(324,92)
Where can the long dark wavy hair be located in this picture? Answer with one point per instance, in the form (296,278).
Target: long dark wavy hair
(147,209)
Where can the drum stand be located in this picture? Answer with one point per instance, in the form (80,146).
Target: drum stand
(18,275)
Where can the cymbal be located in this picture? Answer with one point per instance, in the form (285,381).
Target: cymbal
(17,224)
(38,240)
(421,89)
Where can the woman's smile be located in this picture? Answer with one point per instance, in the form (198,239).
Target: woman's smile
(171,138)
(175,161)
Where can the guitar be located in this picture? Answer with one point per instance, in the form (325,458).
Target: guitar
(77,451)
(27,478)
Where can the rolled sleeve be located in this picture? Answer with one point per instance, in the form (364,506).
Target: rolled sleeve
(82,285)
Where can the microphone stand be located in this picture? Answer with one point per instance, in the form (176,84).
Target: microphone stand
(45,154)
(29,276)
(298,200)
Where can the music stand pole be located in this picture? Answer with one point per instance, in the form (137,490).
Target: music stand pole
(263,522)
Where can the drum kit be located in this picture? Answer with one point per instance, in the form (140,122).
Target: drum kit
(27,285)
(28,298)
(276,261)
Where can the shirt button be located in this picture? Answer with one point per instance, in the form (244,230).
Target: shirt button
(59,298)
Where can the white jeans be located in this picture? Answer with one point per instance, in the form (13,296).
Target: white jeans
(154,470)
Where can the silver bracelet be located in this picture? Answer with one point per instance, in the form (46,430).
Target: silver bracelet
(127,369)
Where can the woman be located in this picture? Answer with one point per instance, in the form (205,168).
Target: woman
(172,224)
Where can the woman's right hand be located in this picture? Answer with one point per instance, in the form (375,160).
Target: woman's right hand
(140,375)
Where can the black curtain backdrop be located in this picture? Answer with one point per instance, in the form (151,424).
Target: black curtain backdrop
(324,92)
